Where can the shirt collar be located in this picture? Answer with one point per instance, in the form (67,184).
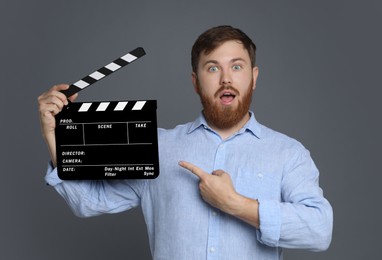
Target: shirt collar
(252,125)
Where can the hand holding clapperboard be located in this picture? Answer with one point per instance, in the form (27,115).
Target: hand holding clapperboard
(109,139)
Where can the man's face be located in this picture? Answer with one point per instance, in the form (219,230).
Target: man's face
(225,81)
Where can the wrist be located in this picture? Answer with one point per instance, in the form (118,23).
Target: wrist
(246,209)
(235,204)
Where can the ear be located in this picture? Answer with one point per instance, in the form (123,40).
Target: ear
(255,72)
(194,78)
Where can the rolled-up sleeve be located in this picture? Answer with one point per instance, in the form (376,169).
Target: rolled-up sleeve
(302,218)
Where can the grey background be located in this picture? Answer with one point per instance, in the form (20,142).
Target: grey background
(320,70)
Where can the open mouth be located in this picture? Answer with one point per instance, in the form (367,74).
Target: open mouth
(227,97)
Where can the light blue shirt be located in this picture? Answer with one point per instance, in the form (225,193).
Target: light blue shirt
(263,164)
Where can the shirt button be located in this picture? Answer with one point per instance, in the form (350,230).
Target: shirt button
(214,213)
(212,249)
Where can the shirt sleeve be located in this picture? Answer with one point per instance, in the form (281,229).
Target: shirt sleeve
(303,218)
(90,198)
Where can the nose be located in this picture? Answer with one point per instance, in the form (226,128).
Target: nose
(225,78)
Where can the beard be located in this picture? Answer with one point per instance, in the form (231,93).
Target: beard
(225,117)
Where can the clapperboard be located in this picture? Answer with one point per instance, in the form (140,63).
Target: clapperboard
(108,139)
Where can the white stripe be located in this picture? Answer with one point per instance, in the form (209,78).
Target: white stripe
(129,58)
(85,107)
(103,106)
(81,84)
(97,75)
(139,105)
(120,106)
(112,66)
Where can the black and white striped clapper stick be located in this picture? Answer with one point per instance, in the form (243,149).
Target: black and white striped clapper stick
(104,71)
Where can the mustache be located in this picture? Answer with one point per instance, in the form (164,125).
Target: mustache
(226,87)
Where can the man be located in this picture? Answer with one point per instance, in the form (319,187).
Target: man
(229,187)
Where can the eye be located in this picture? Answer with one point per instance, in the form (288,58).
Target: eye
(213,69)
(236,67)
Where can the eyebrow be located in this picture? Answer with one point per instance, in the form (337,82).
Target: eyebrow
(231,61)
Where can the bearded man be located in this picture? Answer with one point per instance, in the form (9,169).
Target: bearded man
(229,187)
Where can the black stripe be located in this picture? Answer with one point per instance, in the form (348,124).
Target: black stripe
(138,52)
(121,62)
(71,90)
(105,71)
(89,80)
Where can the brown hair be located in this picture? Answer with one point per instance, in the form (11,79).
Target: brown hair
(214,37)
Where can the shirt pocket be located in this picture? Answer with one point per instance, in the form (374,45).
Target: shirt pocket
(255,183)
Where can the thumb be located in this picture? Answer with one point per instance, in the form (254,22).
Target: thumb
(73,97)
(218,172)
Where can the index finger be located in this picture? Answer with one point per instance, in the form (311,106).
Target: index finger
(58,92)
(193,168)
(61,88)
